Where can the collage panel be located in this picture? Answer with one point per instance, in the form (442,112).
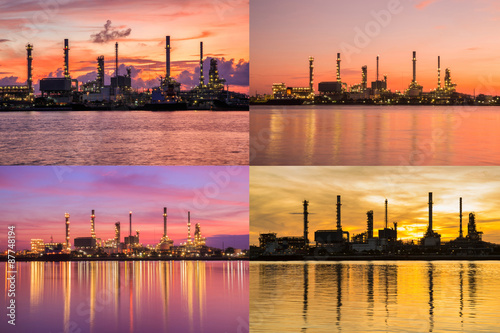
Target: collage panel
(374,249)
(388,82)
(123,83)
(125,249)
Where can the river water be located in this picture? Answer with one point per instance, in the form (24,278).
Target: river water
(404,296)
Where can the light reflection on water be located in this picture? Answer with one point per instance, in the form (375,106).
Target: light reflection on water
(374,297)
(374,135)
(124,138)
(139,296)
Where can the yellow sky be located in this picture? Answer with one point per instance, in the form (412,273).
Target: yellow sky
(276,192)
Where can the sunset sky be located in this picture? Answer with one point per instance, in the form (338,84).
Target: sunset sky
(464,33)
(140,29)
(277,192)
(34,199)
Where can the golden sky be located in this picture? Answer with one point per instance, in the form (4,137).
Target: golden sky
(275,192)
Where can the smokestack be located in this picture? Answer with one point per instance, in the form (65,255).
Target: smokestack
(164,221)
(430,213)
(117,233)
(377,68)
(369,222)
(338,68)
(66,215)
(339,223)
(461,234)
(66,59)
(189,228)
(29,82)
(202,79)
(306,225)
(168,56)
(92,224)
(364,74)
(130,223)
(311,74)
(116,61)
(414,66)
(386,213)
(100,71)
(439,72)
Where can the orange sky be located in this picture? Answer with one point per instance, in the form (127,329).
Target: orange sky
(285,33)
(223,27)
(277,192)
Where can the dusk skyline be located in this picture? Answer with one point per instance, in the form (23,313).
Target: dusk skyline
(36,198)
(284,35)
(276,196)
(93,28)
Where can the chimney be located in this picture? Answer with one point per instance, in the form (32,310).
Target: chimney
(29,82)
(164,221)
(167,47)
(202,79)
(339,222)
(338,68)
(369,222)
(92,224)
(461,234)
(386,213)
(130,223)
(306,225)
(430,213)
(66,59)
(189,228)
(414,66)
(66,215)
(311,74)
(116,61)
(439,72)
(377,70)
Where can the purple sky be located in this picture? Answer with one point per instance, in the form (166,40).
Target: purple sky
(34,199)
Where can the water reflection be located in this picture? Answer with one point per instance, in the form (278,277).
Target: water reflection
(186,296)
(372,135)
(389,297)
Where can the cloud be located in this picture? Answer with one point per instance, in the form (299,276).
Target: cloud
(203,34)
(235,73)
(4,40)
(57,73)
(425,3)
(109,34)
(10,81)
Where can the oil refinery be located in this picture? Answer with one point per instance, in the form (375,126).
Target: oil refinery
(378,93)
(337,243)
(129,247)
(66,93)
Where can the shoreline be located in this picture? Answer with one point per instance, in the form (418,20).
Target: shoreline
(123,259)
(381,258)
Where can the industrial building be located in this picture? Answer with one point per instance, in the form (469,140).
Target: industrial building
(61,90)
(165,242)
(337,241)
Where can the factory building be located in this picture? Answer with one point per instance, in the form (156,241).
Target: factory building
(378,86)
(17,94)
(165,242)
(67,245)
(431,238)
(414,89)
(60,89)
(85,244)
(334,240)
(37,245)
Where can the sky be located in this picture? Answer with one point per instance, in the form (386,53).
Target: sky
(277,193)
(93,27)
(283,34)
(35,199)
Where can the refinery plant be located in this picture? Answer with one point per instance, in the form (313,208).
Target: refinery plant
(129,247)
(338,243)
(66,93)
(338,92)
